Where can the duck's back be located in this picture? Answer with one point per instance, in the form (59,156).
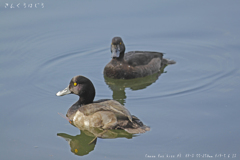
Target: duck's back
(106,105)
(137,58)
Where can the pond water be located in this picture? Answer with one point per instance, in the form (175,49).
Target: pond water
(192,107)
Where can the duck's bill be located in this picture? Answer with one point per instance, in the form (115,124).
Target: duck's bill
(115,51)
(64,92)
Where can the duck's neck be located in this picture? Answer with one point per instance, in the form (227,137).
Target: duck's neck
(120,58)
(88,96)
(85,100)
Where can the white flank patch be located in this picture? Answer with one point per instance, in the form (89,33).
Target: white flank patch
(78,116)
(86,123)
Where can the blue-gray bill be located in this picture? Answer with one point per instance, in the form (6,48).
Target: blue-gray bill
(64,92)
(115,49)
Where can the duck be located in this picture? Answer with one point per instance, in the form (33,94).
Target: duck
(105,114)
(133,64)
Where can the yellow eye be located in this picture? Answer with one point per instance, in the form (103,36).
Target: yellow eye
(75,84)
(120,42)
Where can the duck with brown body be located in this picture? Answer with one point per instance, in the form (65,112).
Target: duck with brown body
(133,64)
(104,114)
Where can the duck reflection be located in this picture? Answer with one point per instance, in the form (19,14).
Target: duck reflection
(85,142)
(118,86)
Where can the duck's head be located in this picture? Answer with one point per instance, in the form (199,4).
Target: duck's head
(117,48)
(82,87)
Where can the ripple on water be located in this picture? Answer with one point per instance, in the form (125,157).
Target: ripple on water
(57,70)
(200,67)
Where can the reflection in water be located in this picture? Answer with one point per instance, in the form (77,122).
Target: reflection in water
(80,143)
(118,85)
(85,142)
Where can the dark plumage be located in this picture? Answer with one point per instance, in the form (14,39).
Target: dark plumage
(104,114)
(133,64)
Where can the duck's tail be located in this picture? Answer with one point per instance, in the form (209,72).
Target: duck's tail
(168,61)
(134,127)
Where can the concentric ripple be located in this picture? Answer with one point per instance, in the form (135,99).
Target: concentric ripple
(200,67)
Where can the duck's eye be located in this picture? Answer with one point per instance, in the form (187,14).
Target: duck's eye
(120,43)
(75,84)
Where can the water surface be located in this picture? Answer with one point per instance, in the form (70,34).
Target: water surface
(192,107)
